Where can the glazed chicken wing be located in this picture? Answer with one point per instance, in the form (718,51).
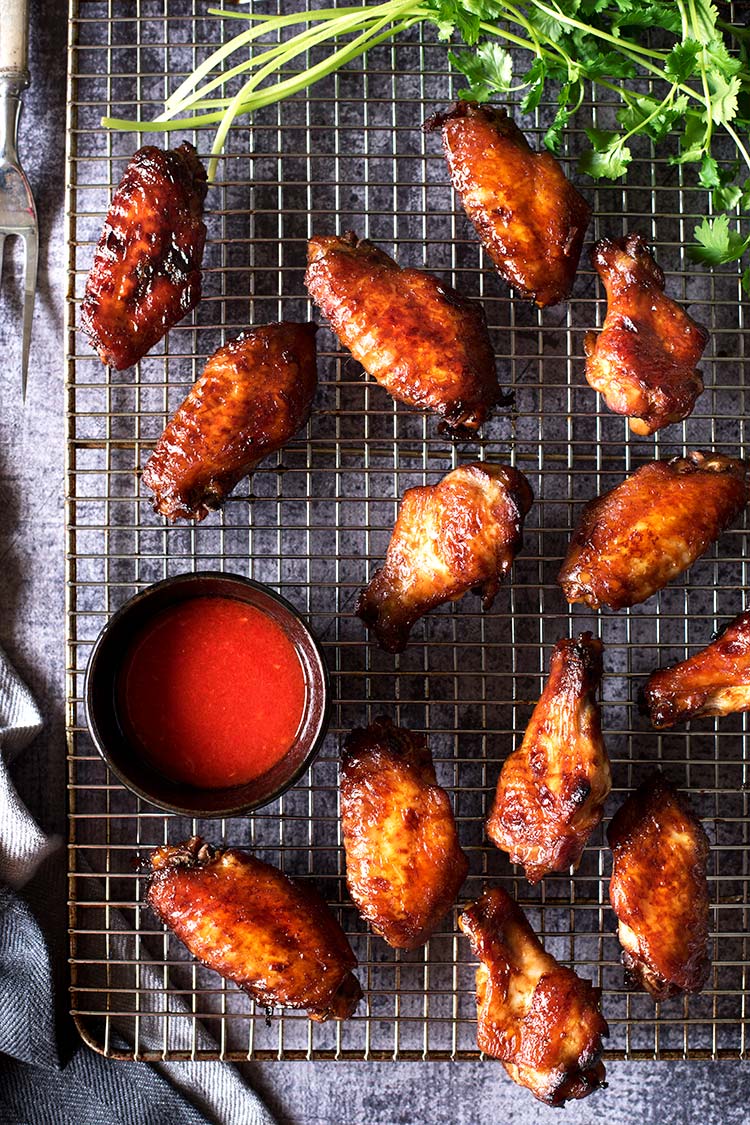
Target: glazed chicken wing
(243,918)
(636,538)
(404,866)
(529,217)
(716,681)
(253,396)
(540,1019)
(643,361)
(659,889)
(416,336)
(552,790)
(147,268)
(461,534)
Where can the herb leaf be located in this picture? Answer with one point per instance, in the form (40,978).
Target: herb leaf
(717,244)
(489,70)
(609,157)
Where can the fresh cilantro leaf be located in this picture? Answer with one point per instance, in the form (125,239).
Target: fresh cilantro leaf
(717,57)
(456,15)
(485,9)
(717,243)
(709,172)
(536,77)
(552,27)
(703,19)
(648,13)
(726,198)
(553,136)
(725,193)
(645,115)
(723,98)
(605,64)
(489,70)
(682,60)
(692,141)
(746,280)
(609,157)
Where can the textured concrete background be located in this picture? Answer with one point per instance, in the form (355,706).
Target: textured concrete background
(31,631)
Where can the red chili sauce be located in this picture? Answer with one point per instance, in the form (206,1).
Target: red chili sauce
(213,691)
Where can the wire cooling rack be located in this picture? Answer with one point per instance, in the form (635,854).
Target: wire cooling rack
(314,522)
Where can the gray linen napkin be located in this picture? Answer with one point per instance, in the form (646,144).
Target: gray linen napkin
(23,845)
(89,1089)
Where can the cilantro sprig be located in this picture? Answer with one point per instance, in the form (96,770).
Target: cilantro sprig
(699,78)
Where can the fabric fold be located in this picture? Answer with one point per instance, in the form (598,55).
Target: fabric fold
(23,845)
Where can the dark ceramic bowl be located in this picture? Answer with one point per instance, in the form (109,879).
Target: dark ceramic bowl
(126,761)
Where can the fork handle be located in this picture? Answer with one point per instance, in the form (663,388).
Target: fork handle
(14,44)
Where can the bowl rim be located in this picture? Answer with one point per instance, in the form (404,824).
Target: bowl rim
(90,686)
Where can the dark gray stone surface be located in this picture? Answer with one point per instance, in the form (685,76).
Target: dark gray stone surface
(31,630)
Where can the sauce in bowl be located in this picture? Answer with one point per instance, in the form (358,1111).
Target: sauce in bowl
(213,692)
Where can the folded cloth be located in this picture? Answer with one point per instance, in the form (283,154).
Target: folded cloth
(89,1089)
(23,845)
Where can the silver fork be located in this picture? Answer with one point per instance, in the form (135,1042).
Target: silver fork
(17,210)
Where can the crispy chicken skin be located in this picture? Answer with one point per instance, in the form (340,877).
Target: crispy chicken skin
(529,217)
(147,267)
(428,346)
(551,791)
(253,396)
(659,889)
(404,866)
(643,361)
(715,681)
(461,534)
(243,918)
(540,1019)
(636,538)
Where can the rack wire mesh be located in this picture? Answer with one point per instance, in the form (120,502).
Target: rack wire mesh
(314,521)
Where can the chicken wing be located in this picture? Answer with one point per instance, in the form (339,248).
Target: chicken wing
(147,268)
(540,1019)
(636,538)
(253,396)
(659,889)
(716,681)
(529,217)
(461,534)
(404,866)
(552,790)
(243,918)
(416,336)
(643,361)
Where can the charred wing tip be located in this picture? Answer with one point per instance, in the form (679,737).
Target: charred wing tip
(195,852)
(463,108)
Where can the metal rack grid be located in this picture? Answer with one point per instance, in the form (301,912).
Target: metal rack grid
(314,522)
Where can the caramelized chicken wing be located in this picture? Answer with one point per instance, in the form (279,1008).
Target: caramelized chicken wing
(551,791)
(243,918)
(253,396)
(659,889)
(415,335)
(404,866)
(540,1019)
(636,538)
(461,534)
(716,681)
(643,361)
(529,217)
(147,268)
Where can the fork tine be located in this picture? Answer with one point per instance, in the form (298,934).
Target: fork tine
(31,240)
(2,245)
